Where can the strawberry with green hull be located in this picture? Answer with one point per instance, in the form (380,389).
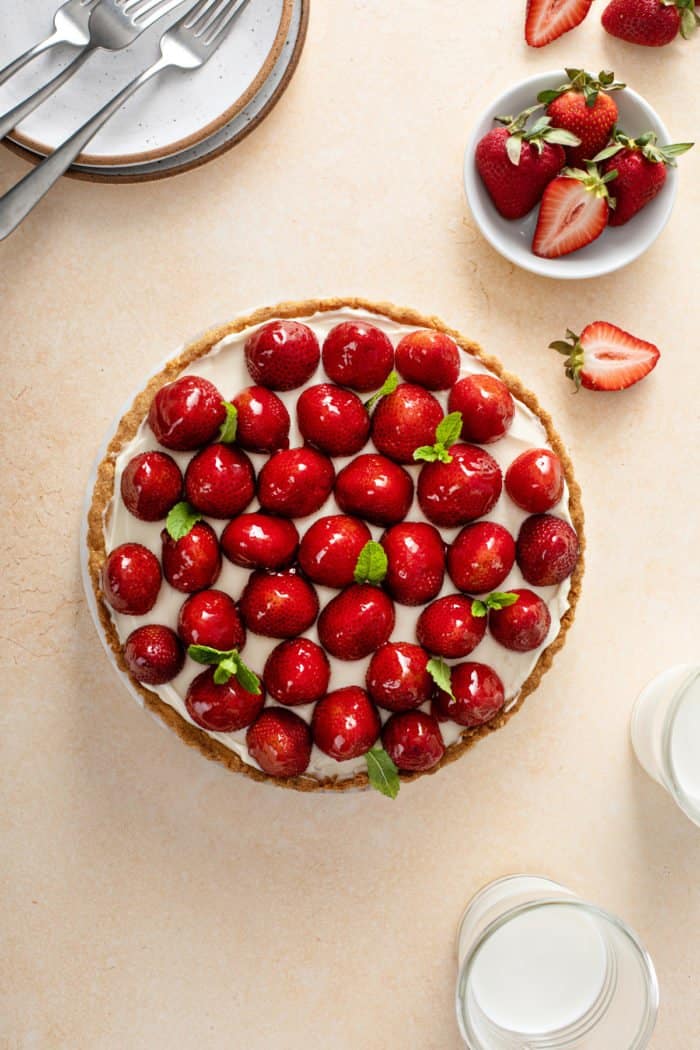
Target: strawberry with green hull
(605,357)
(515,164)
(651,23)
(640,165)
(583,107)
(546,20)
(574,212)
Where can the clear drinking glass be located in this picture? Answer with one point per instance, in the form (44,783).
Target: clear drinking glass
(541,969)
(665,731)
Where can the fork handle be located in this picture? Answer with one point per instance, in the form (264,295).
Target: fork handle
(44,45)
(17,114)
(16,204)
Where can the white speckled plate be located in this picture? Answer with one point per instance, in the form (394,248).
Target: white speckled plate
(175,112)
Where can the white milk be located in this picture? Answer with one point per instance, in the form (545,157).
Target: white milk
(649,716)
(685,743)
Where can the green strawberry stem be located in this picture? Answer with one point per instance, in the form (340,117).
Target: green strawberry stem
(586,83)
(593,181)
(648,145)
(690,19)
(574,353)
(540,133)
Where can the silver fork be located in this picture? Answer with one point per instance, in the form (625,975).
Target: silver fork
(70,26)
(187,45)
(113,25)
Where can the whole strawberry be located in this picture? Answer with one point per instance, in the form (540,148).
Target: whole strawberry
(345,723)
(297,671)
(515,164)
(356,622)
(429,358)
(651,23)
(640,167)
(583,107)
(220,481)
(404,420)
(357,355)
(330,548)
(211,618)
(461,483)
(131,579)
(332,419)
(280,742)
(263,421)
(154,654)
(278,604)
(398,678)
(187,413)
(416,562)
(282,355)
(375,488)
(151,485)
(448,627)
(222,707)
(547,549)
(193,561)
(413,741)
(260,541)
(295,482)
(476,695)
(522,625)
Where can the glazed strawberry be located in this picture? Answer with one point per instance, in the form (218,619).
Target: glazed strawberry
(356,622)
(220,481)
(651,23)
(413,741)
(151,484)
(640,166)
(449,628)
(428,358)
(535,480)
(481,557)
(153,654)
(375,488)
(574,212)
(515,164)
(278,604)
(194,561)
(605,357)
(131,579)
(456,492)
(416,562)
(583,107)
(330,548)
(282,355)
(297,672)
(295,482)
(222,708)
(522,626)
(357,355)
(263,421)
(486,406)
(477,695)
(187,413)
(404,420)
(546,20)
(259,541)
(210,618)
(280,742)
(332,419)
(547,550)
(345,723)
(397,677)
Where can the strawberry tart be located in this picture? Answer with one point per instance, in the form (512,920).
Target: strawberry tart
(332,543)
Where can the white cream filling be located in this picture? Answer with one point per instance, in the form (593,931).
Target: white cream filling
(225,367)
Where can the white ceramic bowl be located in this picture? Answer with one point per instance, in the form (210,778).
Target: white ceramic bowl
(617,246)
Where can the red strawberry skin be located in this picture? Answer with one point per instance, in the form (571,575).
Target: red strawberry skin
(458,492)
(448,627)
(546,20)
(646,22)
(151,485)
(478,695)
(429,359)
(397,677)
(486,405)
(481,557)
(535,480)
(345,723)
(220,481)
(375,488)
(193,562)
(282,355)
(259,541)
(280,742)
(222,708)
(638,181)
(278,605)
(416,556)
(333,420)
(570,218)
(297,672)
(413,740)
(295,482)
(186,413)
(211,618)
(357,355)
(263,420)
(522,626)
(547,550)
(330,548)
(516,189)
(356,622)
(593,125)
(153,654)
(404,420)
(131,579)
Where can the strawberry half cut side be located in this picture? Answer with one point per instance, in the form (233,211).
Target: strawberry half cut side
(573,213)
(605,357)
(546,20)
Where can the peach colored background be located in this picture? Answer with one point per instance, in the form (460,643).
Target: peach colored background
(152,900)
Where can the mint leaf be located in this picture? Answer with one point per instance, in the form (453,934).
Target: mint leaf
(426,452)
(479,608)
(449,430)
(247,679)
(227,430)
(181,520)
(501,599)
(383,774)
(228,664)
(227,668)
(372,563)
(440,673)
(204,654)
(388,387)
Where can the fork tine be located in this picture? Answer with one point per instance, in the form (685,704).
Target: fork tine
(205,18)
(224,17)
(193,16)
(147,14)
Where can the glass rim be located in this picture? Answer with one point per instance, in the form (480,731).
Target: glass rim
(651,1007)
(686,803)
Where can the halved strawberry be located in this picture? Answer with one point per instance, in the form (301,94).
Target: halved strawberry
(545,20)
(574,212)
(605,357)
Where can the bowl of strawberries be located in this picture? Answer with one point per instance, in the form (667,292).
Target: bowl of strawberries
(570,174)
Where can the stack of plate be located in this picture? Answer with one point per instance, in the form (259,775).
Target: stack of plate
(179,122)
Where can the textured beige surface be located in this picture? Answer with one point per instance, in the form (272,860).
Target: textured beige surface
(149,898)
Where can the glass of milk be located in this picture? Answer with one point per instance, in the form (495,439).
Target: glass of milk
(665,730)
(540,968)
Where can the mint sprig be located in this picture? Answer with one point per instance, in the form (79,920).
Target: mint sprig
(383,774)
(446,433)
(228,665)
(495,600)
(227,430)
(440,673)
(181,520)
(372,563)
(388,387)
